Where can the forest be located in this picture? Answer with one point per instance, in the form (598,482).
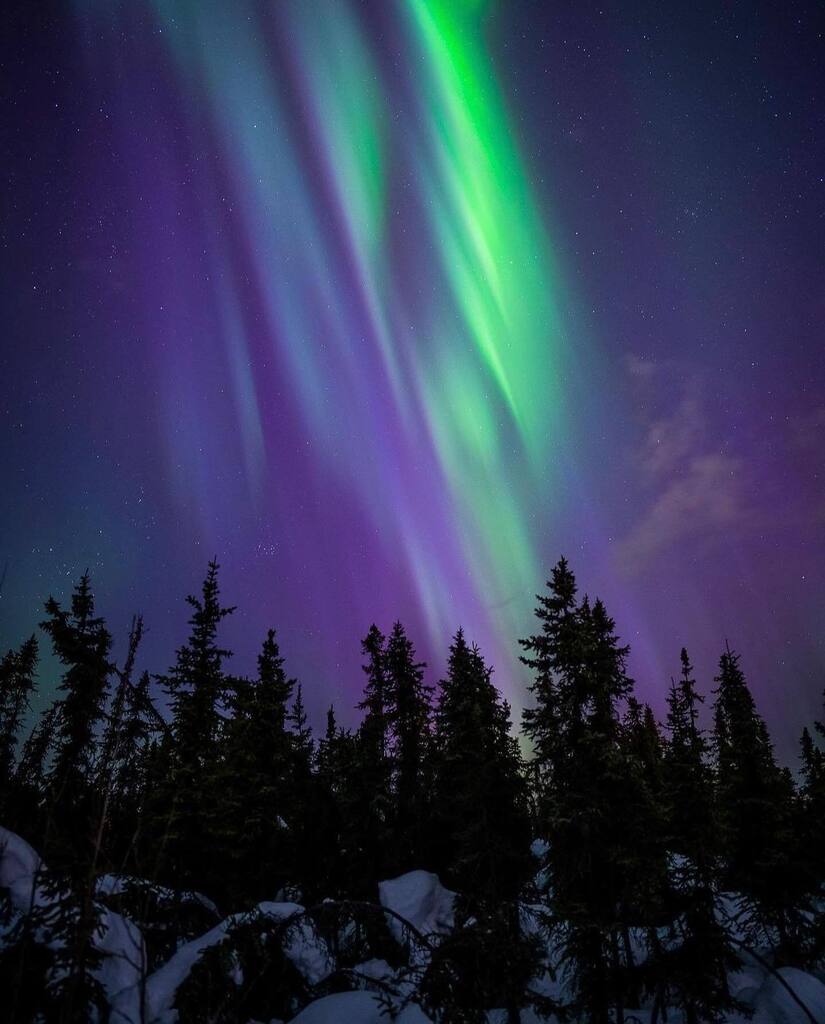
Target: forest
(185,847)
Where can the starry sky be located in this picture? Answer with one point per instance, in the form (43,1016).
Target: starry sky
(388,304)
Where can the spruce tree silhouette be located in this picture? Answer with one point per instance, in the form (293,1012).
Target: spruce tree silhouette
(196,685)
(756,814)
(480,818)
(408,716)
(693,974)
(17,684)
(233,798)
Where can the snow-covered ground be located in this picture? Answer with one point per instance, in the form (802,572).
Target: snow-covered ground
(118,939)
(417,900)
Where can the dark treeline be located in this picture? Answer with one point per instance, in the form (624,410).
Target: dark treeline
(226,798)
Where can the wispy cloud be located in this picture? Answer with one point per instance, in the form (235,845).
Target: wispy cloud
(808,429)
(639,366)
(704,497)
(696,490)
(672,439)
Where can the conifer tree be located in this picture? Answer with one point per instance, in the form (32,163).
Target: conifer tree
(813,762)
(67,752)
(71,918)
(479,819)
(134,745)
(364,794)
(645,867)
(325,756)
(196,685)
(812,807)
(257,806)
(30,777)
(82,643)
(25,966)
(643,832)
(408,716)
(374,731)
(334,758)
(692,975)
(642,742)
(273,689)
(336,784)
(131,724)
(303,745)
(746,769)
(756,802)
(624,826)
(17,674)
(72,804)
(313,819)
(196,682)
(810,830)
(553,656)
(480,841)
(112,738)
(688,780)
(587,787)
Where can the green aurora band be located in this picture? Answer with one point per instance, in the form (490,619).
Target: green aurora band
(385,221)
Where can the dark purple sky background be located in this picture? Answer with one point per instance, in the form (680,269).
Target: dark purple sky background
(677,155)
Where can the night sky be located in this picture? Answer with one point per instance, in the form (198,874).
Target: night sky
(389,304)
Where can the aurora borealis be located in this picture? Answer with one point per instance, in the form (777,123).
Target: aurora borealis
(386,304)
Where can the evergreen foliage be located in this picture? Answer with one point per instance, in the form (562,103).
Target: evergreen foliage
(692,975)
(256,783)
(82,643)
(196,686)
(757,804)
(409,711)
(479,815)
(367,805)
(666,855)
(17,683)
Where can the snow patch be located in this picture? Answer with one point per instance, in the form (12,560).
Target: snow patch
(116,885)
(775,1005)
(303,947)
(356,1008)
(19,865)
(119,940)
(420,898)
